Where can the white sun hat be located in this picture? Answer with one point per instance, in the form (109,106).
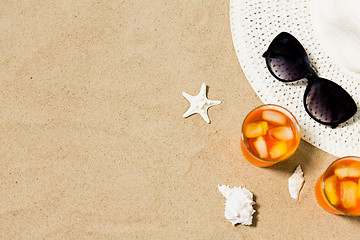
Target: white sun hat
(337,26)
(254,24)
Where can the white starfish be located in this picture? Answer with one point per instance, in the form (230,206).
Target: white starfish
(199,104)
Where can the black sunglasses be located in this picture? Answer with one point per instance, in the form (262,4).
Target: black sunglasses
(325,101)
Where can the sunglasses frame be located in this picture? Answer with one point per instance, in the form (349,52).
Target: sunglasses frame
(310,75)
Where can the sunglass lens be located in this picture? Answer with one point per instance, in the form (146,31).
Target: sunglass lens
(328,103)
(287,59)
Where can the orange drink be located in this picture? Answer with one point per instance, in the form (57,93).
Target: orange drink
(270,134)
(338,189)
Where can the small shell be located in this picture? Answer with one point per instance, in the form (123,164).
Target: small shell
(296,181)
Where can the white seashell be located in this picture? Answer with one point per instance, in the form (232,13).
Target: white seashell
(238,206)
(296,181)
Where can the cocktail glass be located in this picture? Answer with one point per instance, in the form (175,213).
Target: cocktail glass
(269,134)
(337,191)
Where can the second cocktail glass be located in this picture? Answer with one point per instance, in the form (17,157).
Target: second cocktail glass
(337,191)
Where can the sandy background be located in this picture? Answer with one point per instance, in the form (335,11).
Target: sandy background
(92,140)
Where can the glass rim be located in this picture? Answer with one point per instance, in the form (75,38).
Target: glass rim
(323,185)
(292,117)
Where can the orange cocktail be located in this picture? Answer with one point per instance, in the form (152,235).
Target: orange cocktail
(338,189)
(270,134)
